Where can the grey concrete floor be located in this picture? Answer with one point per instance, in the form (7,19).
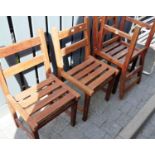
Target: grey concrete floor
(106,119)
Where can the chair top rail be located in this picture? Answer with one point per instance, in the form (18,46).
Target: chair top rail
(18,47)
(138,22)
(117,32)
(71,31)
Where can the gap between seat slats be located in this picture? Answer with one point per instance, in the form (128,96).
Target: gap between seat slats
(86,70)
(101,79)
(37,95)
(121,54)
(53,107)
(48,100)
(110,47)
(116,50)
(81,66)
(95,74)
(33,89)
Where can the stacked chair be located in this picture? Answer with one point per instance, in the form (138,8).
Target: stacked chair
(91,74)
(43,102)
(123,54)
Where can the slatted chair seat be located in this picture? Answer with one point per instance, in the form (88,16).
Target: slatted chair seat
(43,102)
(91,74)
(45,99)
(117,51)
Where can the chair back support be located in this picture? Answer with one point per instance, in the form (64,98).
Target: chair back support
(57,36)
(22,66)
(103,28)
(150,27)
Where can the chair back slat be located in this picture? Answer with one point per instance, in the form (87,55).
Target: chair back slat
(118,32)
(82,43)
(74,47)
(18,47)
(23,66)
(71,31)
(145,25)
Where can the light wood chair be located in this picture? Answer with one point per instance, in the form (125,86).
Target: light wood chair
(43,102)
(120,53)
(91,73)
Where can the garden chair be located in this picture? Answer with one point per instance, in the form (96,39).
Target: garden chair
(91,74)
(43,102)
(120,53)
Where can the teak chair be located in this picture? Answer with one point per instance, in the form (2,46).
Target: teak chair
(91,73)
(41,103)
(120,53)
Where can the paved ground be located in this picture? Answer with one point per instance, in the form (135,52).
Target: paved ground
(106,119)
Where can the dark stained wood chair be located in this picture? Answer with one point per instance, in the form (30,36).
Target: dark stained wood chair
(43,102)
(91,73)
(122,54)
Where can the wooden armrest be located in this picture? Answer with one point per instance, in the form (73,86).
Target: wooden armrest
(77,83)
(117,32)
(140,23)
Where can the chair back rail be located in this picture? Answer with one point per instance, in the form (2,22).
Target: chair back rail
(99,34)
(23,66)
(57,36)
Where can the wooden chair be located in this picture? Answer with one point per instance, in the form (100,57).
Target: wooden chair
(120,53)
(41,103)
(91,73)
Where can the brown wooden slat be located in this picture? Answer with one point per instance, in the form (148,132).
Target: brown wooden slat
(117,32)
(87,70)
(53,108)
(73,47)
(72,91)
(114,39)
(130,75)
(138,22)
(121,54)
(76,29)
(122,60)
(42,103)
(101,79)
(93,75)
(108,58)
(116,50)
(18,47)
(23,66)
(81,66)
(33,89)
(37,95)
(110,47)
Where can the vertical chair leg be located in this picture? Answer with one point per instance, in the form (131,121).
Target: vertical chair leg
(14,115)
(86,107)
(73,114)
(116,82)
(109,89)
(142,64)
(122,87)
(35,134)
